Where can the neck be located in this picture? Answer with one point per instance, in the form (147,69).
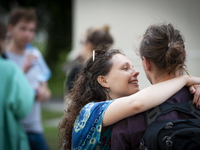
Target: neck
(162,77)
(16,48)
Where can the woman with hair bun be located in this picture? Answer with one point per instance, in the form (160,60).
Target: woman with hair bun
(164,45)
(105,92)
(94,38)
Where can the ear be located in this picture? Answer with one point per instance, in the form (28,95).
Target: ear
(10,28)
(147,63)
(102,81)
(185,53)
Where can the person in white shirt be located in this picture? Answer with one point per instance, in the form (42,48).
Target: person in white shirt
(22,25)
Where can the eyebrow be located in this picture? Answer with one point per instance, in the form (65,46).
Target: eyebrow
(126,63)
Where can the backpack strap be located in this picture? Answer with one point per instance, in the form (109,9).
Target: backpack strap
(185,107)
(151,115)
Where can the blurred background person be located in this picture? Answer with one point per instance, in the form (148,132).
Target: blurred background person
(22,26)
(16,101)
(94,38)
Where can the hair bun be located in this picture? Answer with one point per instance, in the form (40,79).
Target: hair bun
(106,28)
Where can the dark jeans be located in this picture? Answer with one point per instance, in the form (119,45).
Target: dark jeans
(37,141)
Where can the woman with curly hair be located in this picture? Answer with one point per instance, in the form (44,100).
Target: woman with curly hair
(105,92)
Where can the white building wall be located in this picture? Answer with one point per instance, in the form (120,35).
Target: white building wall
(128,19)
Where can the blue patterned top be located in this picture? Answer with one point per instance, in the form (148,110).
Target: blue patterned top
(87,128)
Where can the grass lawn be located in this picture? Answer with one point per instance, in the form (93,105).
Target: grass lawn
(51,132)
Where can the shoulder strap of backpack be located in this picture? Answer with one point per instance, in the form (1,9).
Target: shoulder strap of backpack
(185,107)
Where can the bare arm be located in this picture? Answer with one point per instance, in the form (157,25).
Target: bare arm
(145,99)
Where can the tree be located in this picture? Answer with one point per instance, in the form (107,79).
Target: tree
(56,18)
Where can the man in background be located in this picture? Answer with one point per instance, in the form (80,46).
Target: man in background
(22,26)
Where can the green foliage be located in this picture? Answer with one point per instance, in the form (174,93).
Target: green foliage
(55,18)
(59,29)
(56,83)
(41,47)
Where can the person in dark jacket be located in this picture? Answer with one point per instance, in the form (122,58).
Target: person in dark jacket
(163,55)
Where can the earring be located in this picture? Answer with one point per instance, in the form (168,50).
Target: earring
(108,94)
(107,90)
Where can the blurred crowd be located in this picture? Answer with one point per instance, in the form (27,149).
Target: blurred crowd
(24,83)
(26,75)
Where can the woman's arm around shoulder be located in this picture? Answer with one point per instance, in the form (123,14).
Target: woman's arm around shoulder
(145,99)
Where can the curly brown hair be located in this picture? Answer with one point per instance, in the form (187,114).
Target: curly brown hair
(86,89)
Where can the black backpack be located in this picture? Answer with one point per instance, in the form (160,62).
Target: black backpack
(182,134)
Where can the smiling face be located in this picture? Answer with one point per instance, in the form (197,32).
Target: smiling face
(23,32)
(122,79)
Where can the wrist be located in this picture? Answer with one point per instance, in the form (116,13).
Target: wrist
(24,70)
(186,80)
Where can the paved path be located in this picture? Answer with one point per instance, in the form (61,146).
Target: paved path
(52,122)
(56,105)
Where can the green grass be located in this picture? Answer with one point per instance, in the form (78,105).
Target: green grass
(51,135)
(51,132)
(47,114)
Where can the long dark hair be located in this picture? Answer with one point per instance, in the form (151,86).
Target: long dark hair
(3,31)
(85,89)
(164,46)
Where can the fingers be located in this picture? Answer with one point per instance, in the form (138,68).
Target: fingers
(192,89)
(29,62)
(196,100)
(42,94)
(31,59)
(40,97)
